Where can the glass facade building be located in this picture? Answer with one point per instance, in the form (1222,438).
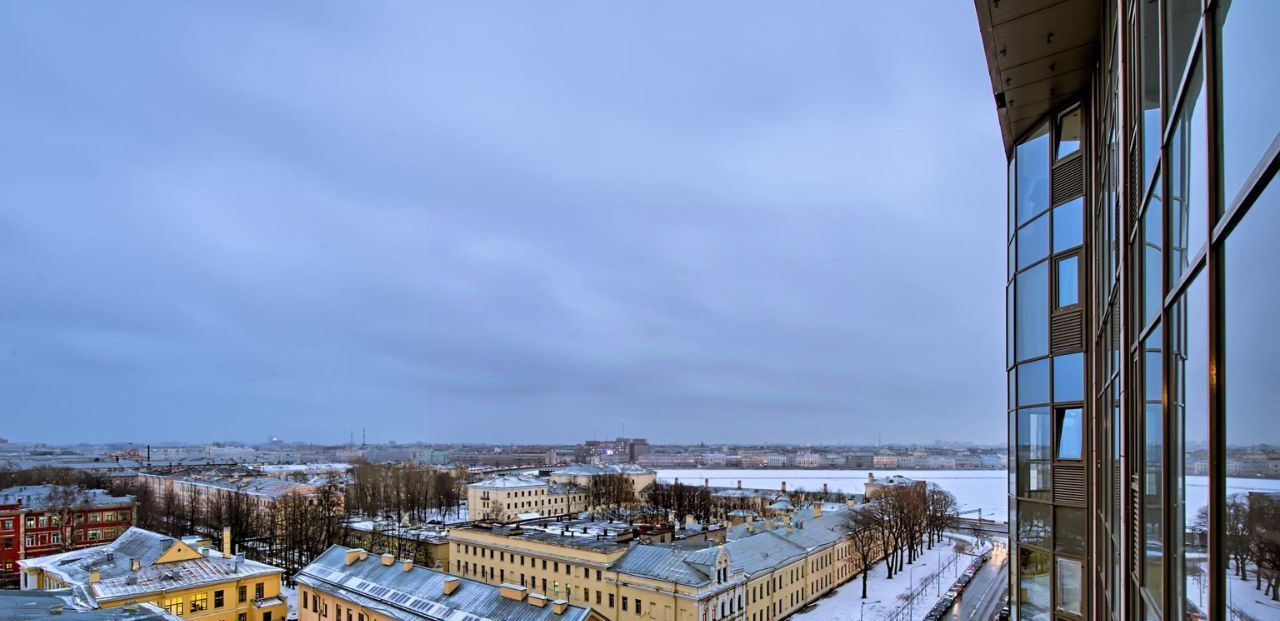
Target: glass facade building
(1143,305)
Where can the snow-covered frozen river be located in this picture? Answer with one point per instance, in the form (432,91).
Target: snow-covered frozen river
(974,489)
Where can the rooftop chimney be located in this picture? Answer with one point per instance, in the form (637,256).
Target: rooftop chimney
(388,558)
(538,599)
(512,592)
(94,577)
(352,556)
(226,541)
(817,509)
(407,564)
(135,565)
(451,584)
(559,606)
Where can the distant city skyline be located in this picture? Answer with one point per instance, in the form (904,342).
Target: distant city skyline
(501,223)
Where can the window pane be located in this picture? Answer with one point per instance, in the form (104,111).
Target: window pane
(1033,524)
(1068,281)
(1033,585)
(1190,415)
(1033,434)
(1033,175)
(1033,382)
(1012,200)
(1068,228)
(1008,328)
(1252,391)
(1188,182)
(1033,241)
(1153,285)
(1032,312)
(1069,530)
(1070,433)
(1153,462)
(1181,19)
(1069,591)
(1249,88)
(1149,86)
(1068,134)
(1068,377)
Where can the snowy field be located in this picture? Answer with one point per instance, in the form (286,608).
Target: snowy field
(974,489)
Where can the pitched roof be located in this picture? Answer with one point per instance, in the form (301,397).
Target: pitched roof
(44,496)
(668,563)
(117,579)
(40,606)
(418,594)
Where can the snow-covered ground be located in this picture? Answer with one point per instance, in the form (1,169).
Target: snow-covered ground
(291,596)
(1244,601)
(974,489)
(884,596)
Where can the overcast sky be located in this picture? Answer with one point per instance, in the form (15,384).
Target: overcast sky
(505,222)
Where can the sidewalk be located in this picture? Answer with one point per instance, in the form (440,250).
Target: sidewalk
(885,597)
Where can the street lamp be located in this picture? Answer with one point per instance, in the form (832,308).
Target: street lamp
(864,607)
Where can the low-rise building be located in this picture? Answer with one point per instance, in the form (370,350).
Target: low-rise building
(766,570)
(146,567)
(37,520)
(349,583)
(511,497)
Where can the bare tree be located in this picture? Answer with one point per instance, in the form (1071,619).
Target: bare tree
(863,531)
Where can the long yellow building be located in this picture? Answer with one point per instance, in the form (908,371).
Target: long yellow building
(766,570)
(146,567)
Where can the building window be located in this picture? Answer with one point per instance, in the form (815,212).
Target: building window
(1070,433)
(1031,309)
(1068,225)
(1188,202)
(1032,185)
(217,599)
(1033,584)
(242,593)
(199,602)
(1069,577)
(1067,272)
(258,590)
(1068,135)
(173,605)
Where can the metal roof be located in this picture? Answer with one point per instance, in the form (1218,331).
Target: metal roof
(40,606)
(418,594)
(43,497)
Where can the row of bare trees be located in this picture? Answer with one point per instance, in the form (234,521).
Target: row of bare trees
(1252,539)
(287,531)
(399,490)
(897,526)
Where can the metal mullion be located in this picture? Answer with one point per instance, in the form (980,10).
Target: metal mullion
(1193,57)
(1254,186)
(1216,566)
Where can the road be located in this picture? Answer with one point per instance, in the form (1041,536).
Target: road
(984,596)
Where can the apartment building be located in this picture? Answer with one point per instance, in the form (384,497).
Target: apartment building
(1142,142)
(143,567)
(38,520)
(511,497)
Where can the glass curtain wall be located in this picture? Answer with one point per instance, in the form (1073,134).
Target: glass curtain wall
(1047,417)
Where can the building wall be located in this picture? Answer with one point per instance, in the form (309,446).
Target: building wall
(31,533)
